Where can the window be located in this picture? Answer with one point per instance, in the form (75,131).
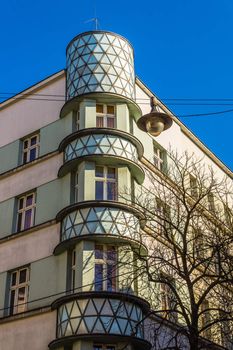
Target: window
(31,147)
(193,186)
(158,158)
(73,270)
(167,299)
(26,211)
(76,187)
(104,347)
(205,318)
(19,290)
(105,183)
(105,116)
(228,215)
(105,267)
(211,205)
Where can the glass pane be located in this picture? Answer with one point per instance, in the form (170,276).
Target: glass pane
(13,278)
(29,200)
(19,222)
(111,253)
(21,203)
(99,190)
(99,108)
(99,171)
(110,122)
(111,278)
(25,144)
(98,277)
(23,276)
(111,173)
(97,347)
(21,295)
(99,122)
(27,219)
(33,140)
(111,191)
(98,251)
(32,154)
(25,157)
(12,302)
(110,109)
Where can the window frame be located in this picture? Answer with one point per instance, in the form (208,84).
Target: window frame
(27,150)
(21,220)
(14,307)
(105,180)
(105,116)
(167,298)
(105,262)
(159,157)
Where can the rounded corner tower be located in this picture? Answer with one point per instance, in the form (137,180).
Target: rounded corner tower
(101,157)
(99,61)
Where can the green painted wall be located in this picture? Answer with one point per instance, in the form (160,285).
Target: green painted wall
(7,217)
(47,277)
(9,156)
(51,198)
(52,134)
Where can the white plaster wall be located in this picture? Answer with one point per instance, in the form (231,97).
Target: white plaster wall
(31,247)
(30,178)
(26,115)
(29,333)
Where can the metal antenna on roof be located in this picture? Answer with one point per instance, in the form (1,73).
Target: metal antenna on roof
(95,20)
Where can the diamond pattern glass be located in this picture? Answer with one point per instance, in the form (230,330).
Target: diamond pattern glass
(100,315)
(100,62)
(100,220)
(101,144)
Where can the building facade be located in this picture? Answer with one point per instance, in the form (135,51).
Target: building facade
(71,159)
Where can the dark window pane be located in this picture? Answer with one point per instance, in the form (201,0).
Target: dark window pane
(13,278)
(110,109)
(99,190)
(23,276)
(99,122)
(32,154)
(33,140)
(21,201)
(99,171)
(98,277)
(111,122)
(99,108)
(29,200)
(12,302)
(111,278)
(111,173)
(27,219)
(25,157)
(111,191)
(25,144)
(99,254)
(111,253)
(19,222)
(97,347)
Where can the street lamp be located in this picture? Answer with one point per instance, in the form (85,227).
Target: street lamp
(154,122)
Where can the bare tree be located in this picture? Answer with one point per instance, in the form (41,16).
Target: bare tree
(188,272)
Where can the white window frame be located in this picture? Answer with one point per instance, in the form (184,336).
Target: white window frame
(21,212)
(193,186)
(105,262)
(211,202)
(76,187)
(105,115)
(159,158)
(26,152)
(16,306)
(105,180)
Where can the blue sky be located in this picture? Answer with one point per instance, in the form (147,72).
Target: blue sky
(183,50)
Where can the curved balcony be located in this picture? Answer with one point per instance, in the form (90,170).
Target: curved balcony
(101,316)
(93,219)
(105,145)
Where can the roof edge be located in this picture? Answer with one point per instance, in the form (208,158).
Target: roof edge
(186,130)
(28,91)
